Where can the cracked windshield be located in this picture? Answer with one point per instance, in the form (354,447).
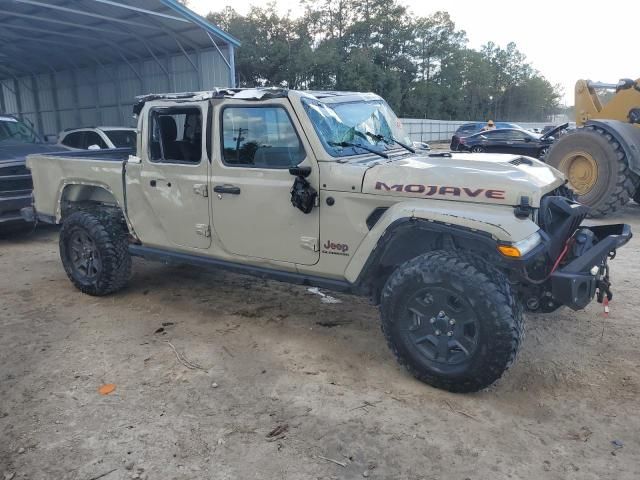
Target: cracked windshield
(354,128)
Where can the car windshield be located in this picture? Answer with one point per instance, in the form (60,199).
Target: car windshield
(122,138)
(13,130)
(353,128)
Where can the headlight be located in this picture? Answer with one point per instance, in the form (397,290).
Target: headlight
(521,248)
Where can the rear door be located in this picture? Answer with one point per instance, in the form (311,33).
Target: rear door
(255,145)
(167,193)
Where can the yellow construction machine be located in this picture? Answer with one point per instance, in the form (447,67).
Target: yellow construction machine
(601,157)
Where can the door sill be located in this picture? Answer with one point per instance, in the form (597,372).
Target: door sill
(171,257)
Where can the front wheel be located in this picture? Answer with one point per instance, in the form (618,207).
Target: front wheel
(94,251)
(543,153)
(451,320)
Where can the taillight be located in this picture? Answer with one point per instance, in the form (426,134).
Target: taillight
(461,140)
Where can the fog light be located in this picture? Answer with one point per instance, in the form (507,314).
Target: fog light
(594,270)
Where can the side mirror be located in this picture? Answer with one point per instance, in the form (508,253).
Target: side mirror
(527,139)
(93,147)
(300,171)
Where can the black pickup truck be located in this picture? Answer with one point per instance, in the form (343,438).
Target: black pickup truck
(17,140)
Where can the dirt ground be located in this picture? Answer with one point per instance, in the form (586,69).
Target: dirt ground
(273,356)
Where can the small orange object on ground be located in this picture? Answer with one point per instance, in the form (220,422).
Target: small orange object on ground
(107,388)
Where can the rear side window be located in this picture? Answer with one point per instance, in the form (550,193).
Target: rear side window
(175,135)
(122,138)
(74,140)
(92,138)
(261,137)
(467,129)
(495,134)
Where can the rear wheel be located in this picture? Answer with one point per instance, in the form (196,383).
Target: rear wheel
(94,251)
(597,169)
(477,149)
(451,320)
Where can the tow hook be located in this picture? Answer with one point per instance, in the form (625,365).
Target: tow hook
(603,290)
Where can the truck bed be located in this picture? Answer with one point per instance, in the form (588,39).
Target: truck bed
(112,154)
(52,172)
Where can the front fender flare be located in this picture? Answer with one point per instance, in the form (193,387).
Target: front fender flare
(487,224)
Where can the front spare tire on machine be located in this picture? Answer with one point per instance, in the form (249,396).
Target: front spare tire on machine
(94,250)
(597,169)
(452,320)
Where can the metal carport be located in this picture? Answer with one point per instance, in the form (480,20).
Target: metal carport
(66,64)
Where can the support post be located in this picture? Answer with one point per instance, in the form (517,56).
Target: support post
(16,89)
(56,102)
(36,104)
(232,65)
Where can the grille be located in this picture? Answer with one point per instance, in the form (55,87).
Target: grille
(15,180)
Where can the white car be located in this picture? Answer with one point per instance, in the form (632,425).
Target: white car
(98,138)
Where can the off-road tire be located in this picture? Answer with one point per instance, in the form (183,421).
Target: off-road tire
(615,183)
(499,314)
(108,231)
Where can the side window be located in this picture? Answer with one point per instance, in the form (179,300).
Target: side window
(261,137)
(517,136)
(92,138)
(496,135)
(175,135)
(74,140)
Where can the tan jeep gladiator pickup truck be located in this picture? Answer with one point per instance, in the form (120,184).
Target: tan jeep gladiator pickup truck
(325,189)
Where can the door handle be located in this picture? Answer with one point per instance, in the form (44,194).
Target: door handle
(154,182)
(232,189)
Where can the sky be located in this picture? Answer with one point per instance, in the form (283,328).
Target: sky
(564,40)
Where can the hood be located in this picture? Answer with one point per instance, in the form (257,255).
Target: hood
(12,152)
(555,130)
(465,177)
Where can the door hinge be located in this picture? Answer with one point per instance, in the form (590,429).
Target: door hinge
(310,243)
(204,230)
(201,189)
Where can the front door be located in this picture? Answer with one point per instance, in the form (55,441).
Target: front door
(173,180)
(256,143)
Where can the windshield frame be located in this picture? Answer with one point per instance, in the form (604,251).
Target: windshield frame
(343,153)
(9,140)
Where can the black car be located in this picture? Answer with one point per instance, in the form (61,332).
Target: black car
(469,129)
(511,140)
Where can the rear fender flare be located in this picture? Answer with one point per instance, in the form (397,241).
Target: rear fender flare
(83,191)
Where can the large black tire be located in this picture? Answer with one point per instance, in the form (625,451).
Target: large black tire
(452,320)
(614,183)
(94,251)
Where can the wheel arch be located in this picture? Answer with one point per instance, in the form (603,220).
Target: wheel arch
(407,238)
(74,196)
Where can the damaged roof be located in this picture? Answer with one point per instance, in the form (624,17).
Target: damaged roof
(48,35)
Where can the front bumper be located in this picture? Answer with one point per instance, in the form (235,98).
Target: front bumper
(573,285)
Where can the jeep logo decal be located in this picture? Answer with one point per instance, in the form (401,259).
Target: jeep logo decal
(335,248)
(429,190)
